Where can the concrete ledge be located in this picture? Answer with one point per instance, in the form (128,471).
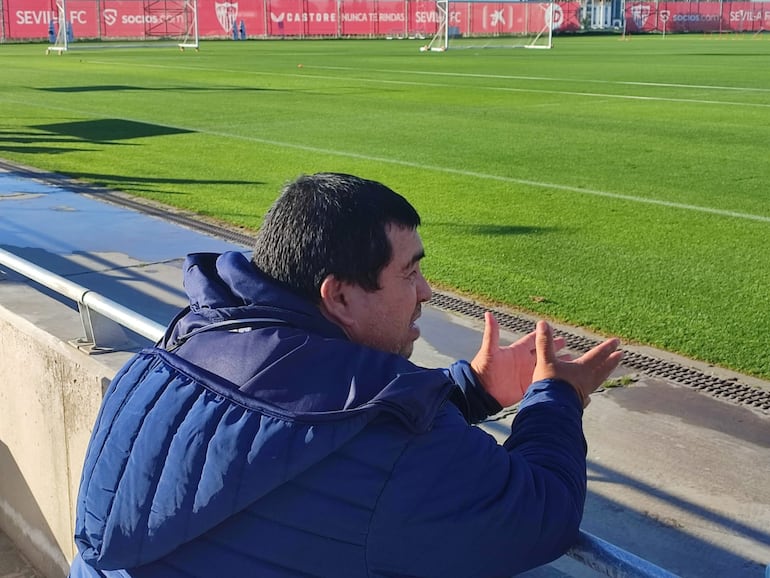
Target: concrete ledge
(49,397)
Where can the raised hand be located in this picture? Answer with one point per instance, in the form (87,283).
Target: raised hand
(585,374)
(506,372)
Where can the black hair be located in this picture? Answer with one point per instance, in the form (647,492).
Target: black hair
(330,224)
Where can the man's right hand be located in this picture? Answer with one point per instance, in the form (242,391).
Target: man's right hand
(585,374)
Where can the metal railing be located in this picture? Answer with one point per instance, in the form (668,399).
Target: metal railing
(608,559)
(103,319)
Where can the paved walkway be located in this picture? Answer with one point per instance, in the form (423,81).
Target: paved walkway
(675,476)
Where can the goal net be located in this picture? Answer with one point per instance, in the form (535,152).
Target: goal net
(501,24)
(133,22)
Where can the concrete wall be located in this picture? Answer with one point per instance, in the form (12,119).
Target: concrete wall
(50,393)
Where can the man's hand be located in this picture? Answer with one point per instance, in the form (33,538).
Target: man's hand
(585,374)
(506,372)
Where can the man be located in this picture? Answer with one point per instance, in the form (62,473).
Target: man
(280,429)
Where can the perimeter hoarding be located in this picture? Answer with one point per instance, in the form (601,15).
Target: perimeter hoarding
(116,19)
(697,16)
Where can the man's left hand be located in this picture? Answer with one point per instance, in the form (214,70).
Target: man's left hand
(506,372)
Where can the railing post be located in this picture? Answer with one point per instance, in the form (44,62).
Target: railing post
(102,334)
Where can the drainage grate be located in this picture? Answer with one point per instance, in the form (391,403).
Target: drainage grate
(730,389)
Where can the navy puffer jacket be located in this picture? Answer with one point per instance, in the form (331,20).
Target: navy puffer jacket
(268,445)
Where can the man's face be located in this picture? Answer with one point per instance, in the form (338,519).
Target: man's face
(386,319)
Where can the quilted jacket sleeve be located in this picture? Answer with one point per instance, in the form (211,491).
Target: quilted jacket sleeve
(460,504)
(470,397)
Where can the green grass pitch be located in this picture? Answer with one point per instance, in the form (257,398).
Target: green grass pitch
(619,185)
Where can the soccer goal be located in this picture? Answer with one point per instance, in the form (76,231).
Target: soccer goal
(501,24)
(172,20)
(130,23)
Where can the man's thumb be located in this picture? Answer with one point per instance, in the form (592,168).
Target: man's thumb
(546,353)
(491,339)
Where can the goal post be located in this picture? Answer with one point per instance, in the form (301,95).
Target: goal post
(498,24)
(191,39)
(61,41)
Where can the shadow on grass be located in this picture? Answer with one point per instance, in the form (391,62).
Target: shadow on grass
(491,230)
(138,185)
(99,132)
(34,150)
(124,181)
(95,88)
(97,184)
(27,137)
(33,139)
(109,129)
(38,143)
(128,88)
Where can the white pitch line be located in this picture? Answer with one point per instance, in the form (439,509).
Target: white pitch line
(454,87)
(602,95)
(546,78)
(451,74)
(426,167)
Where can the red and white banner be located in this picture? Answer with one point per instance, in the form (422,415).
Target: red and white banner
(697,16)
(32,19)
(112,19)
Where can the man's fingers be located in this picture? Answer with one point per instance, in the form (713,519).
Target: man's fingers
(526,343)
(603,362)
(559,343)
(609,365)
(600,353)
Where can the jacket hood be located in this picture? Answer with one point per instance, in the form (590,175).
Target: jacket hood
(228,287)
(237,313)
(185,440)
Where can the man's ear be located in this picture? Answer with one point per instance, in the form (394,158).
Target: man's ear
(336,301)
